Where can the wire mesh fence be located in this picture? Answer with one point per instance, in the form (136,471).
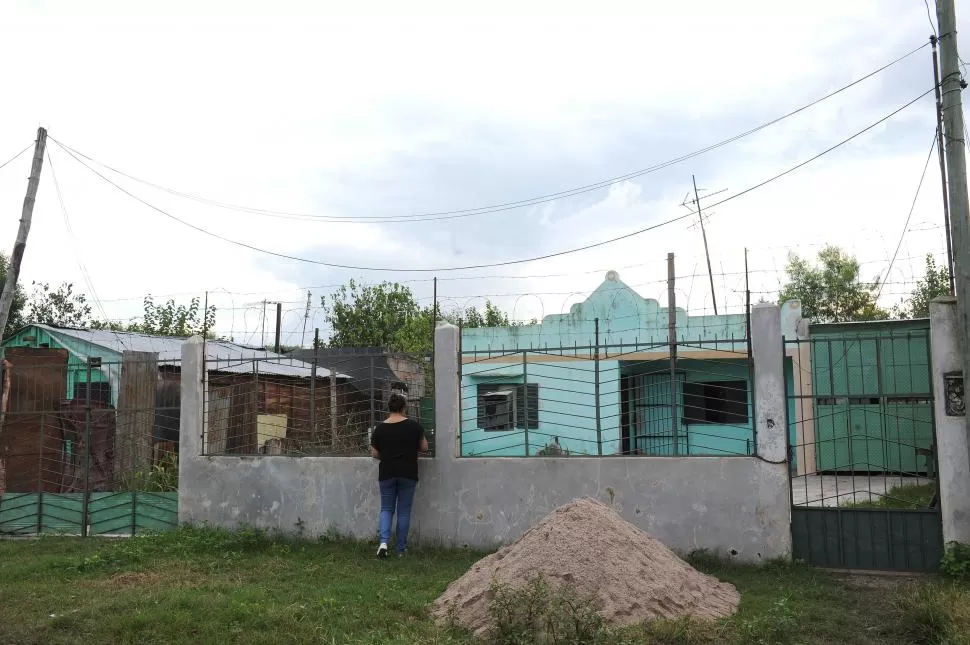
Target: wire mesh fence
(652,399)
(87,446)
(310,403)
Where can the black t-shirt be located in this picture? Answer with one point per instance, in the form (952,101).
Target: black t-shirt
(397,445)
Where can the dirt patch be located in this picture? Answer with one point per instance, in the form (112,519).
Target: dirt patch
(629,575)
(135,578)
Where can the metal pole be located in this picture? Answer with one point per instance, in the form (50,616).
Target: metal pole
(373,392)
(700,216)
(525,399)
(941,150)
(279,326)
(747,333)
(672,342)
(596,387)
(313,387)
(956,167)
(13,269)
(434,317)
(87,453)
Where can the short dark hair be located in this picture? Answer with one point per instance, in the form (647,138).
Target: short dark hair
(396,403)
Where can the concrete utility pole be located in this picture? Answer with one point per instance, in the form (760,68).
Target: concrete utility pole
(13,270)
(956,167)
(941,150)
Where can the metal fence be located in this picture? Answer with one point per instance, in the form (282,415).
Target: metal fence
(323,403)
(863,450)
(87,447)
(690,398)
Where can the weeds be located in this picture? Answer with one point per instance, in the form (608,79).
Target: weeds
(537,614)
(956,561)
(934,615)
(906,496)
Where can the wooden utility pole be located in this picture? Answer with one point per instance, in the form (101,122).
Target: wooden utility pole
(956,167)
(707,253)
(279,326)
(700,218)
(672,343)
(13,270)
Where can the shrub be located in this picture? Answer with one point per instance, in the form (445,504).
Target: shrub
(956,561)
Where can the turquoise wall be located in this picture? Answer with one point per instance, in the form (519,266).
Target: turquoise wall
(78,352)
(567,408)
(628,324)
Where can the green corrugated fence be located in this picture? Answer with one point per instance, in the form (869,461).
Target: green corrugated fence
(127,513)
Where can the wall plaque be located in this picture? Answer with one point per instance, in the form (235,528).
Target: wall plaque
(956,402)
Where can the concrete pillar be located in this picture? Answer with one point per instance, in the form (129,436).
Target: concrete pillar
(190,416)
(447,392)
(770,402)
(951,428)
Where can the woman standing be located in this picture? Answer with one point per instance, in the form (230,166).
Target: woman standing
(396,443)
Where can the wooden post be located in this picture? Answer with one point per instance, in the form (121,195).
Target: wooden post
(279,326)
(672,342)
(13,270)
(137,395)
(333,407)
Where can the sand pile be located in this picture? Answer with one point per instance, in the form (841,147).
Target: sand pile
(630,576)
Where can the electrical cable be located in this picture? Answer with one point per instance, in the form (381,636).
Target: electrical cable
(15,157)
(912,207)
(77,254)
(493,208)
(547,256)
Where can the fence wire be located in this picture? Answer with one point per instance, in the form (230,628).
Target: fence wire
(609,399)
(323,403)
(863,428)
(87,446)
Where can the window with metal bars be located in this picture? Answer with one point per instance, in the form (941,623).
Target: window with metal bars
(508,406)
(716,402)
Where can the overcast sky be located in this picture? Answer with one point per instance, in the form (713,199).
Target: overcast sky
(283,106)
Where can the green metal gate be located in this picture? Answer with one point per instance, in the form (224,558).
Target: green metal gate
(864,490)
(652,415)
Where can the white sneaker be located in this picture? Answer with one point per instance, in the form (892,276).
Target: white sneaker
(382,550)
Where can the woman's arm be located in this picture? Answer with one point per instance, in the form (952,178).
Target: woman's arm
(423,442)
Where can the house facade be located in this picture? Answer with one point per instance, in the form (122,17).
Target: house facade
(602,379)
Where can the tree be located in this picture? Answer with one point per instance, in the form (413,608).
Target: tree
(388,315)
(382,315)
(61,307)
(170,319)
(832,291)
(15,320)
(935,283)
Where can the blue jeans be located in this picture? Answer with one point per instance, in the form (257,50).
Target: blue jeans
(399,492)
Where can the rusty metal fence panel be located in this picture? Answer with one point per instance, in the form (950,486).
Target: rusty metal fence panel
(81,447)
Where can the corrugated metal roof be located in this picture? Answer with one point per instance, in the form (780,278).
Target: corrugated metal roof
(220,355)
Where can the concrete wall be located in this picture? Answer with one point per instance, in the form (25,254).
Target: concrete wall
(951,431)
(735,505)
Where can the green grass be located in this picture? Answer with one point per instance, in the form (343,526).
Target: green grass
(205,586)
(907,496)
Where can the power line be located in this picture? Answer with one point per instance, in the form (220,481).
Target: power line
(547,256)
(929,16)
(912,207)
(77,254)
(493,208)
(16,156)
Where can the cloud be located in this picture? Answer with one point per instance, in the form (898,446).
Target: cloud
(303,109)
